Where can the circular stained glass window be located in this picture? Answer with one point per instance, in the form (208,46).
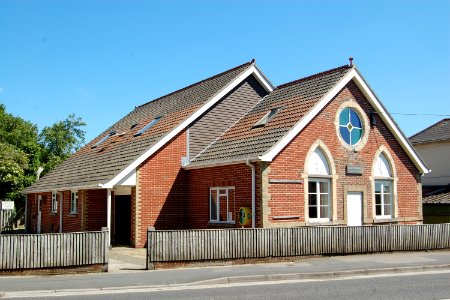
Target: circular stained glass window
(350,126)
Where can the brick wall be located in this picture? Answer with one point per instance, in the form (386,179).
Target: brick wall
(288,199)
(161,191)
(96,209)
(50,222)
(201,180)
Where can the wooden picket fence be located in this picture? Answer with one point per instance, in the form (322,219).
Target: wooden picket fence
(5,220)
(225,244)
(54,250)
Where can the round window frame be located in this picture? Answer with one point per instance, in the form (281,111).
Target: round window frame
(352,104)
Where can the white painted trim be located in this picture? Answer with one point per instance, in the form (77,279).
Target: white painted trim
(53,210)
(128,180)
(270,155)
(108,212)
(76,202)
(373,100)
(360,82)
(61,210)
(252,70)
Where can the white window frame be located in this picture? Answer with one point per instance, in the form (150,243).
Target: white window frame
(384,171)
(217,190)
(382,194)
(73,202)
(54,207)
(318,194)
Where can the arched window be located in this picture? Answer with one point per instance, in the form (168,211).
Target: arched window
(383,187)
(319,186)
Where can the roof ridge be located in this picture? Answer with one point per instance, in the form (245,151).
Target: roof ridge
(425,129)
(197,83)
(312,76)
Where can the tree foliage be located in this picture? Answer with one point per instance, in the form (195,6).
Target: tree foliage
(23,150)
(61,140)
(13,163)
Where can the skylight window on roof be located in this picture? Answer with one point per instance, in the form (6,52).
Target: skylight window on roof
(104,139)
(269,116)
(148,126)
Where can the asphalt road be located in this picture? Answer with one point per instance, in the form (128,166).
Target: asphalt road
(393,286)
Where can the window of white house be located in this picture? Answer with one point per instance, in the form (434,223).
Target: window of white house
(73,202)
(221,200)
(54,202)
(383,187)
(319,187)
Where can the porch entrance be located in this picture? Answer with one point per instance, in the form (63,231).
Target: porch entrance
(122,220)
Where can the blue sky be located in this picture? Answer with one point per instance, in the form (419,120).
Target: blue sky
(99,59)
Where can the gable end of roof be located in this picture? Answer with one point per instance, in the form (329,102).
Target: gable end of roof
(354,75)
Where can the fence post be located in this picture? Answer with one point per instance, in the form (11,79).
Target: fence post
(150,264)
(105,231)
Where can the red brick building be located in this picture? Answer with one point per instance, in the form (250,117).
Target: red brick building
(321,150)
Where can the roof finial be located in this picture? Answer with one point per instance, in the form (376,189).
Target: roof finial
(351,61)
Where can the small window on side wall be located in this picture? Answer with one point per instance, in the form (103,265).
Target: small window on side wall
(54,202)
(73,202)
(221,200)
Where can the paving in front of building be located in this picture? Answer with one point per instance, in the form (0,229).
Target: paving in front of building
(127,272)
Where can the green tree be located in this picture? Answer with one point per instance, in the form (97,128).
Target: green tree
(23,151)
(61,140)
(13,163)
(20,154)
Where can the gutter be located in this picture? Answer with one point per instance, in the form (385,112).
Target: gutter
(62,188)
(252,166)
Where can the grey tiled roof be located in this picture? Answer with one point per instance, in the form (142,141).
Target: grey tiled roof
(436,132)
(93,166)
(443,198)
(296,99)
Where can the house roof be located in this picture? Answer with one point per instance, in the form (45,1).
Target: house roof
(92,167)
(300,101)
(115,160)
(295,100)
(441,198)
(439,131)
